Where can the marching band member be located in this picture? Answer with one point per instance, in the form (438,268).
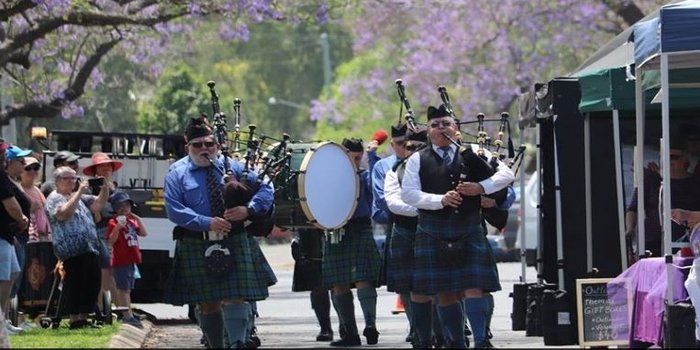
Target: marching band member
(213,264)
(354,260)
(449,211)
(405,219)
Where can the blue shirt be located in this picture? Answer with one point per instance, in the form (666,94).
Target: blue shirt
(364,203)
(187,197)
(380,210)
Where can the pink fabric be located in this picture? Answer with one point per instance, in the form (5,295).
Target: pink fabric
(39,228)
(647,281)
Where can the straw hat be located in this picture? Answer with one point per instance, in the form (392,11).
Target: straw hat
(100,158)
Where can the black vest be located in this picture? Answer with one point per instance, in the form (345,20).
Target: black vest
(438,178)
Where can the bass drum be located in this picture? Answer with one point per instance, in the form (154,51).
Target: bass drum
(319,189)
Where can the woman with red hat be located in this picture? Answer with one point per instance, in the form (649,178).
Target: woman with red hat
(101,165)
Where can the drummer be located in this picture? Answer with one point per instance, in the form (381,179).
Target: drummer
(354,260)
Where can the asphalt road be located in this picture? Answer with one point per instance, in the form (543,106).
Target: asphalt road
(286,319)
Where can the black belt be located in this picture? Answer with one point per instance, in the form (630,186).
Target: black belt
(407,222)
(180,232)
(473,217)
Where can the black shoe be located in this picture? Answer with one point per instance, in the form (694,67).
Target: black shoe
(409,338)
(486,344)
(489,335)
(325,335)
(350,340)
(371,334)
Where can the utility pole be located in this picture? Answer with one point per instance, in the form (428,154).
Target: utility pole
(326,55)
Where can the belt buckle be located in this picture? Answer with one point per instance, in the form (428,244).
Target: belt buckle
(213,236)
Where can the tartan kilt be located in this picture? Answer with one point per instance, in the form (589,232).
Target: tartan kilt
(265,276)
(400,263)
(429,277)
(355,258)
(189,282)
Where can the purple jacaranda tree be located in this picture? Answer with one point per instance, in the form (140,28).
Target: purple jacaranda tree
(485,52)
(50,50)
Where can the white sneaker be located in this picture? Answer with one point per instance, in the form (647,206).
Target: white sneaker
(12,329)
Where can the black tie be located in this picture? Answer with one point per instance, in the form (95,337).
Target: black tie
(216,197)
(445,155)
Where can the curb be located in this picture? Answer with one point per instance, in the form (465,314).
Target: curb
(130,336)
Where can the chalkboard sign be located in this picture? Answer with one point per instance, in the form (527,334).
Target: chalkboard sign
(603,315)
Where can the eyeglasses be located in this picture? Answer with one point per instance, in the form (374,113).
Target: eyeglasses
(445,123)
(33,167)
(71,178)
(200,144)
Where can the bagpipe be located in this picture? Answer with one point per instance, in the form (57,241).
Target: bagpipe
(239,192)
(316,182)
(483,162)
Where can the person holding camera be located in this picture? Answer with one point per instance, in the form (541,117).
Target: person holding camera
(75,243)
(123,231)
(100,170)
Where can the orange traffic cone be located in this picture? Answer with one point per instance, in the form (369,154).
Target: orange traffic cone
(398,306)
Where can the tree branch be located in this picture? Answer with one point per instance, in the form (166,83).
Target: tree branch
(627,10)
(37,109)
(87,19)
(7,12)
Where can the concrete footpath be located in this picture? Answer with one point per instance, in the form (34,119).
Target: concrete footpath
(287,320)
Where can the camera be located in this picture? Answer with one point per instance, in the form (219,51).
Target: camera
(96,182)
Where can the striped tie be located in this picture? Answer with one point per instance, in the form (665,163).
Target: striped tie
(446,155)
(216,197)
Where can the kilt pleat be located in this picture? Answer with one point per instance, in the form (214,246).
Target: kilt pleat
(429,277)
(400,262)
(355,258)
(190,283)
(265,276)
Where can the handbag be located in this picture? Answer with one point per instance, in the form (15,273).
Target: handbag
(218,261)
(450,252)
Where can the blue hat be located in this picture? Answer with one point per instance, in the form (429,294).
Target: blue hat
(119,197)
(15,152)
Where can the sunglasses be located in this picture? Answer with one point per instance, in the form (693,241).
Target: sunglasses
(33,167)
(200,144)
(400,142)
(445,123)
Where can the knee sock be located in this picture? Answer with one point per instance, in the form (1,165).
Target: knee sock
(406,300)
(321,304)
(368,302)
(236,318)
(341,326)
(453,320)
(212,326)
(476,309)
(346,312)
(489,312)
(441,334)
(423,322)
(251,320)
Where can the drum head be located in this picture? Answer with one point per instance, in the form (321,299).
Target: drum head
(330,186)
